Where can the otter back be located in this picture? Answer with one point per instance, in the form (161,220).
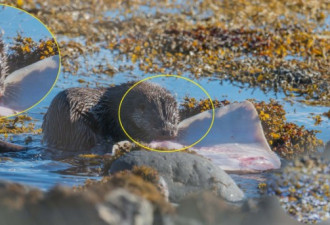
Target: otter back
(68,124)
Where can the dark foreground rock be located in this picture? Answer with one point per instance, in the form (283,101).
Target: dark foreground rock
(23,205)
(303,187)
(207,209)
(120,206)
(270,212)
(184,173)
(325,222)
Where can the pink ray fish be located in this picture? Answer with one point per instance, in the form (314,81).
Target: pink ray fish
(236,142)
(28,85)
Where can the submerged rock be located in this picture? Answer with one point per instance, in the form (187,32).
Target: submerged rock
(184,173)
(62,205)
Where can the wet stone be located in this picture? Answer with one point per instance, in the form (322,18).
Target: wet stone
(184,173)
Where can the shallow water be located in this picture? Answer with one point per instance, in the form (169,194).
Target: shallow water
(43,174)
(29,168)
(249,182)
(11,23)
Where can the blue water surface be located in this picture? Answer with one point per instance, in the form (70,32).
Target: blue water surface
(14,21)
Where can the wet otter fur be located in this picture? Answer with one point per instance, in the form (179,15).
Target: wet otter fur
(80,119)
(3,67)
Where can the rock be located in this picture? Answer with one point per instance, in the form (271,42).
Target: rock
(184,173)
(208,209)
(124,208)
(326,153)
(163,188)
(61,205)
(123,146)
(9,147)
(327,222)
(178,220)
(270,212)
(15,196)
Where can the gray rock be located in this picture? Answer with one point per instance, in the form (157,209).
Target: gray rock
(123,208)
(327,222)
(270,212)
(178,220)
(61,205)
(208,209)
(326,153)
(184,173)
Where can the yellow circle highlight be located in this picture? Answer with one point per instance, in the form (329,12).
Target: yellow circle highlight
(59,65)
(166,75)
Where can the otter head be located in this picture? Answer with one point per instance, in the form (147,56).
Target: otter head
(150,112)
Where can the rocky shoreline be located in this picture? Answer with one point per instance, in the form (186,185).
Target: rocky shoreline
(142,189)
(302,187)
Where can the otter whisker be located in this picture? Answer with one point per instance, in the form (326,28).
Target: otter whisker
(11,92)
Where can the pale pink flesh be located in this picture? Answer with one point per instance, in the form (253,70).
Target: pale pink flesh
(236,141)
(6,111)
(31,84)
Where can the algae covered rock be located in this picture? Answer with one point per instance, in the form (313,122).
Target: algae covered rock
(123,207)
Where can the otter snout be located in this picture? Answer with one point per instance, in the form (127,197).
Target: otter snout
(2,91)
(2,88)
(169,133)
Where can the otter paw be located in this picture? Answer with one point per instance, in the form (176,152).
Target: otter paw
(123,146)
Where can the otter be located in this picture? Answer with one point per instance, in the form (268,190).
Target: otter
(3,67)
(80,119)
(5,89)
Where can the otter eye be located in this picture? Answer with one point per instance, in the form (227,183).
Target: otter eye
(141,107)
